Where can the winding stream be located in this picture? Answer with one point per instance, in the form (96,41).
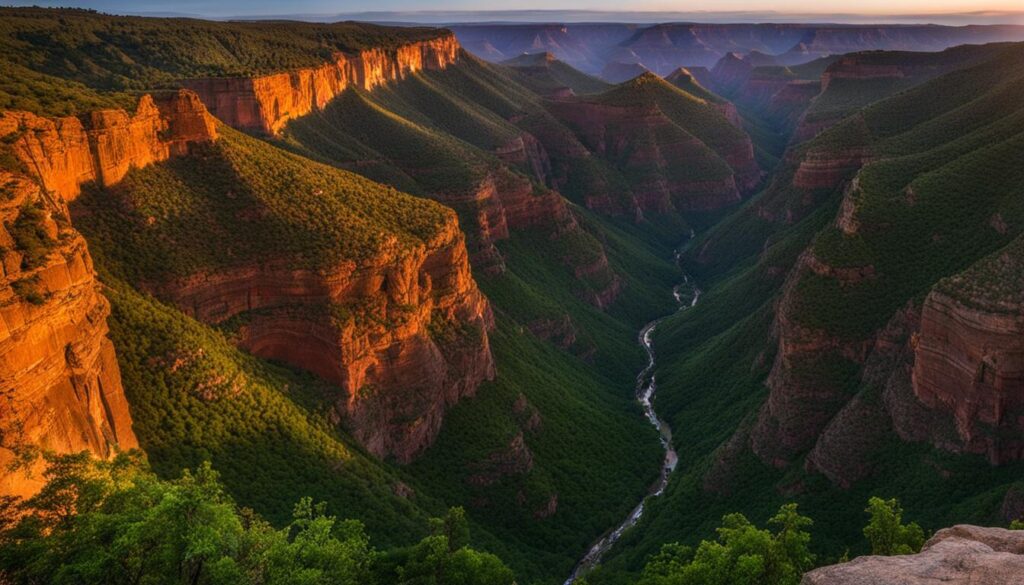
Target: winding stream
(645,389)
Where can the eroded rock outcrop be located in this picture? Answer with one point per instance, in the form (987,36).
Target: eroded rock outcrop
(828,168)
(961,555)
(970,363)
(59,379)
(65,153)
(58,369)
(403,333)
(266,103)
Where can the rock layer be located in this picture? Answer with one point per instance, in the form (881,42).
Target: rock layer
(102,146)
(59,377)
(58,369)
(266,103)
(970,362)
(404,333)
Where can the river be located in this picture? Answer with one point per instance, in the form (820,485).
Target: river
(646,386)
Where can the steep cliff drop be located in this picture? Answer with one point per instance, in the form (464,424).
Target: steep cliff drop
(58,371)
(403,333)
(266,103)
(969,355)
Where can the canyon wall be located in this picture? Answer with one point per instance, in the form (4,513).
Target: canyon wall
(58,370)
(59,377)
(829,168)
(266,103)
(970,363)
(403,333)
(65,153)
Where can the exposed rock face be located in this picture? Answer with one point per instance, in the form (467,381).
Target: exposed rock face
(267,103)
(102,146)
(59,377)
(799,405)
(970,363)
(528,152)
(961,555)
(57,366)
(860,66)
(828,169)
(412,340)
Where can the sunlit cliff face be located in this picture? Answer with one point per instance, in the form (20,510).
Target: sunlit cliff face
(267,103)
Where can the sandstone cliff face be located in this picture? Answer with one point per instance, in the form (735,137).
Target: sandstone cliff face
(102,146)
(267,103)
(970,363)
(59,377)
(961,555)
(404,333)
(58,369)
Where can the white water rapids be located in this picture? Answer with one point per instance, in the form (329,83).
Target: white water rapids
(645,389)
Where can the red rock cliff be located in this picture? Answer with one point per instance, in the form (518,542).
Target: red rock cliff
(64,153)
(969,362)
(404,333)
(58,373)
(267,103)
(58,369)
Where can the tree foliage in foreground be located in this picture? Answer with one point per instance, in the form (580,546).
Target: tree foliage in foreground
(747,555)
(117,523)
(743,554)
(887,533)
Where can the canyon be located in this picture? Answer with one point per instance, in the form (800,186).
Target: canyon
(415,275)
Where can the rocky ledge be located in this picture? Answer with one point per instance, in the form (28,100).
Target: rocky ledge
(961,555)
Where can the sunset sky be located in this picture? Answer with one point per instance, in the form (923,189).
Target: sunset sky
(946,11)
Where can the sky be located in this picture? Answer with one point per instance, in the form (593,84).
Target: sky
(450,11)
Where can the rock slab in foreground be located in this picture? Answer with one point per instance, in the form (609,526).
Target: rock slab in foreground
(960,555)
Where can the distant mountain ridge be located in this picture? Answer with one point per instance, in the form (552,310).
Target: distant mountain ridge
(593,47)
